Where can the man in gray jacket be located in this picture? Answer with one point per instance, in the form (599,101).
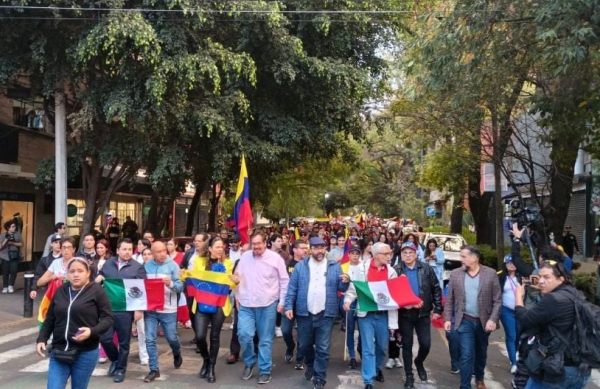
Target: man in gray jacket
(475,297)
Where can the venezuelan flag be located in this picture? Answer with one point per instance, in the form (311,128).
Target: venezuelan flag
(242,212)
(209,288)
(45,304)
(345,258)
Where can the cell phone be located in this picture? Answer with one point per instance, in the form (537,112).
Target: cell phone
(79,332)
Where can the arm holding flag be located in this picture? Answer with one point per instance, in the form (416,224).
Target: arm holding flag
(393,314)
(176,284)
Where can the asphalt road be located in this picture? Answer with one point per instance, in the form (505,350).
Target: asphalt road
(21,368)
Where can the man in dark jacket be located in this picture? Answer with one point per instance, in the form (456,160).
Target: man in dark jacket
(121,267)
(312,294)
(424,284)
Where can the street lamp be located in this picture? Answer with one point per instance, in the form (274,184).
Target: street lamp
(325,204)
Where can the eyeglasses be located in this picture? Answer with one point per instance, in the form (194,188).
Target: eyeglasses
(66,247)
(388,254)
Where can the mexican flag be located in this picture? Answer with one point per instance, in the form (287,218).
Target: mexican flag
(135,295)
(385,295)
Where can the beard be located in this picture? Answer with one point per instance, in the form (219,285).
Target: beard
(319,256)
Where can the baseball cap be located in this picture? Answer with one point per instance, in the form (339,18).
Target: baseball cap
(55,237)
(316,241)
(408,245)
(354,248)
(508,258)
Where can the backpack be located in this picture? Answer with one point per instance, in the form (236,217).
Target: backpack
(583,347)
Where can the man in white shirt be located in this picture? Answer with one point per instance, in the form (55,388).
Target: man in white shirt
(235,251)
(312,291)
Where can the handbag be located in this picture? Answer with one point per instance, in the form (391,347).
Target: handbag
(68,357)
(545,363)
(14,255)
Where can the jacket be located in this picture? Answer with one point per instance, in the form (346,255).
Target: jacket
(429,290)
(91,308)
(167,269)
(296,298)
(554,309)
(489,298)
(131,270)
(363,271)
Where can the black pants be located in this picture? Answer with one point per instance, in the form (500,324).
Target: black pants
(216,322)
(394,345)
(9,268)
(422,326)
(122,326)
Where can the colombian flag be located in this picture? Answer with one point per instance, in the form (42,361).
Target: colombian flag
(242,213)
(346,259)
(45,304)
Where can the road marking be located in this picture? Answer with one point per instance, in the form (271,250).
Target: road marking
(17,322)
(18,334)
(18,352)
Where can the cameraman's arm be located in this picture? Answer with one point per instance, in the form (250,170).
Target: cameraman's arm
(524,269)
(17,241)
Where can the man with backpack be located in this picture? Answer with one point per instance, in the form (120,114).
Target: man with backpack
(561,348)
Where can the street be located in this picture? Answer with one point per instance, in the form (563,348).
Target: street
(21,368)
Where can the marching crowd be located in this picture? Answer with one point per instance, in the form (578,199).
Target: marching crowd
(306,280)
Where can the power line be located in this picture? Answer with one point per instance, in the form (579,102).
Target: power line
(241,11)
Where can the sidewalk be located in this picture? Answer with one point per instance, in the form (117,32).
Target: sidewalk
(589,266)
(12,305)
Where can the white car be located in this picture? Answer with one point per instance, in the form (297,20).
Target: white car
(451,245)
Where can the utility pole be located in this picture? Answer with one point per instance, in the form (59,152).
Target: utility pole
(60,147)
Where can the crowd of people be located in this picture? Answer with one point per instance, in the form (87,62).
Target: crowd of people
(303,278)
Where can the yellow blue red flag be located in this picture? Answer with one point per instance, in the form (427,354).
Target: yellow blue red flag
(242,212)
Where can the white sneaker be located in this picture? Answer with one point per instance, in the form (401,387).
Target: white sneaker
(397,362)
(231,326)
(278,332)
(389,364)
(144,362)
(4,290)
(11,289)
(513,369)
(102,359)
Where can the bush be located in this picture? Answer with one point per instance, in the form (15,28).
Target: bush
(586,283)
(490,255)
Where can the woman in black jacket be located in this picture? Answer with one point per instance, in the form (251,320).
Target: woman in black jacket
(78,314)
(553,314)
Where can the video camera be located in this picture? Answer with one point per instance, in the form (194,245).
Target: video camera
(526,216)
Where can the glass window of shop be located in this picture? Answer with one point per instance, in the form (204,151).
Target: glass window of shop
(21,213)
(118,210)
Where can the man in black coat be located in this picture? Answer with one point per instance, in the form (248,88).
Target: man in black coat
(424,284)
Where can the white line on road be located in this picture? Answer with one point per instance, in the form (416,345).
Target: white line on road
(18,352)
(19,334)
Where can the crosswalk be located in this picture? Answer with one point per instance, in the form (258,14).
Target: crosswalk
(20,363)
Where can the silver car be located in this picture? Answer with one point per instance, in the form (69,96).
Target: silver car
(451,245)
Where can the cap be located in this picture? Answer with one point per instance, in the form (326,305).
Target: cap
(55,237)
(508,258)
(536,273)
(333,236)
(316,241)
(354,248)
(408,245)
(354,238)
(235,239)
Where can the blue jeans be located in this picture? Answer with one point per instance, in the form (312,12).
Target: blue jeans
(80,372)
(350,330)
(573,380)
(262,321)
(511,331)
(473,351)
(374,334)
(454,348)
(287,327)
(314,336)
(169,324)
(122,326)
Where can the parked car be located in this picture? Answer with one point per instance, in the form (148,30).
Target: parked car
(451,245)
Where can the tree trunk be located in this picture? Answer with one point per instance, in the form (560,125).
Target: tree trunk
(498,153)
(214,205)
(152,222)
(564,155)
(191,215)
(456,218)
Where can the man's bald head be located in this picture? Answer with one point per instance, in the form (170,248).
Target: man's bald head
(159,252)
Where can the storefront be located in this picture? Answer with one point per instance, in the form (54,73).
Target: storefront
(20,208)
(120,209)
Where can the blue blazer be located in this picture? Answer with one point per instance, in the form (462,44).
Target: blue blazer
(297,293)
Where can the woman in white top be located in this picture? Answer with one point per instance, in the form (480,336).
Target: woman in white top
(58,267)
(434,256)
(141,246)
(509,282)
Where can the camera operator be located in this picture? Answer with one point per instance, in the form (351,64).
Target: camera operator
(525,269)
(10,254)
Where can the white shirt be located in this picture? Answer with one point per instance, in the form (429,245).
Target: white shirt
(235,255)
(354,270)
(57,268)
(316,286)
(508,294)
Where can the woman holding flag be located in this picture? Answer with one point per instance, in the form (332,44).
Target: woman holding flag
(208,283)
